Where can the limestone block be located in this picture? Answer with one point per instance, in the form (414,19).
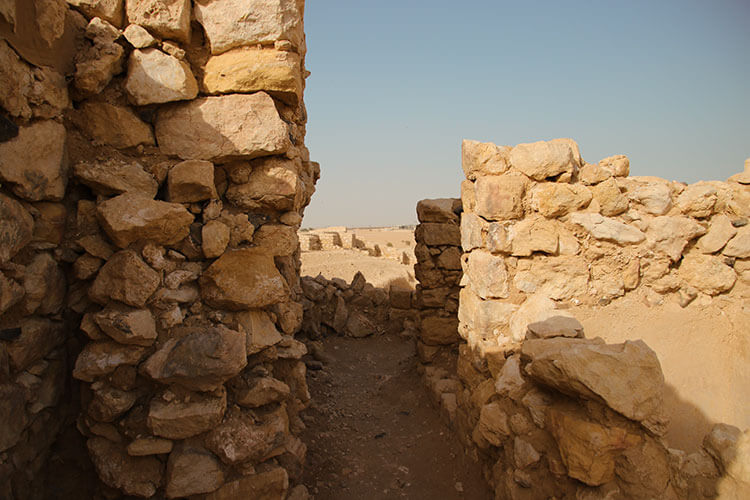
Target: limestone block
(671,234)
(109,10)
(276,239)
(560,278)
(104,357)
(533,234)
(611,200)
(449,259)
(436,234)
(555,200)
(269,484)
(257,392)
(697,200)
(488,275)
(719,233)
(472,231)
(240,437)
(215,236)
(35,161)
(618,165)
(542,160)
(227,126)
(180,417)
(44,286)
(16,228)
(165,18)
(38,338)
(484,158)
(130,217)
(626,377)
(113,176)
(155,77)
(236,23)
(101,32)
(489,318)
(243,279)
(535,309)
(127,325)
(591,174)
(604,228)
(125,278)
(190,181)
(10,293)
(493,424)
(438,330)
(97,65)
(138,476)
(707,273)
(524,453)
(500,197)
(739,245)
(555,326)
(114,125)
(246,70)
(191,470)
(442,210)
(468,196)
(109,402)
(260,331)
(142,447)
(203,359)
(139,37)
(652,197)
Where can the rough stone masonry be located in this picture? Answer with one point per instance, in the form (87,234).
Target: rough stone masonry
(153,177)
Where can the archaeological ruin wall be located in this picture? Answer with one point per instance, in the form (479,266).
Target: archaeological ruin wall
(153,178)
(548,238)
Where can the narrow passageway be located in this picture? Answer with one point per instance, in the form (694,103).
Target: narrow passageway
(372,432)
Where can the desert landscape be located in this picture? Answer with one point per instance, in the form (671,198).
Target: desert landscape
(173,325)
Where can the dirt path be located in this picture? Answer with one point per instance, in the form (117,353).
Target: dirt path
(372,432)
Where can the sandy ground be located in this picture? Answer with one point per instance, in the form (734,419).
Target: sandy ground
(379,271)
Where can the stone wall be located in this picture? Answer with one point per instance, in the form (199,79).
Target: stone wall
(165,184)
(327,239)
(546,235)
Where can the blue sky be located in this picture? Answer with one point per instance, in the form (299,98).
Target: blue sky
(396,86)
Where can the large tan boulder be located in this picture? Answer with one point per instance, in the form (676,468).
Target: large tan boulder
(112,177)
(243,279)
(488,275)
(739,245)
(236,23)
(618,165)
(116,126)
(707,273)
(155,77)
(109,10)
(138,476)
(35,162)
(241,437)
(486,317)
(626,377)
(276,239)
(272,183)
(698,200)
(651,195)
(484,158)
(561,278)
(125,278)
(165,18)
(246,70)
(604,228)
(191,470)
(533,234)
(185,415)
(556,200)
(131,217)
(609,197)
(544,159)
(236,125)
(719,233)
(500,197)
(190,181)
(671,234)
(16,227)
(260,331)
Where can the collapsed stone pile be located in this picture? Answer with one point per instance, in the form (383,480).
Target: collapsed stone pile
(355,309)
(166,185)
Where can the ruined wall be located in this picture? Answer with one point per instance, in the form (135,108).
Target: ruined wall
(547,237)
(169,179)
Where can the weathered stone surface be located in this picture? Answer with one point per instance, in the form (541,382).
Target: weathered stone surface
(191,181)
(215,237)
(248,70)
(49,225)
(555,326)
(524,453)
(604,228)
(493,424)
(588,450)
(243,279)
(38,337)
(272,183)
(434,234)
(654,198)
(112,177)
(555,200)
(125,278)
(488,275)
(101,31)
(240,437)
(102,358)
(707,273)
(202,359)
(560,278)
(116,126)
(268,485)
(109,402)
(165,18)
(155,77)
(257,392)
(489,317)
(259,329)
(627,377)
(438,330)
(541,160)
(719,233)
(139,476)
(739,245)
(500,197)
(127,325)
(537,308)
(439,210)
(35,161)
(276,239)
(671,234)
(228,25)
(173,417)
(611,200)
(698,200)
(533,234)
(16,227)
(109,10)
(591,174)
(472,232)
(359,325)
(12,415)
(44,286)
(191,469)
(139,37)
(10,293)
(730,449)
(142,447)
(483,158)
(97,65)
(236,125)
(618,165)
(130,217)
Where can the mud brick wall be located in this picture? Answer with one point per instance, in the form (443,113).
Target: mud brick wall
(545,235)
(153,202)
